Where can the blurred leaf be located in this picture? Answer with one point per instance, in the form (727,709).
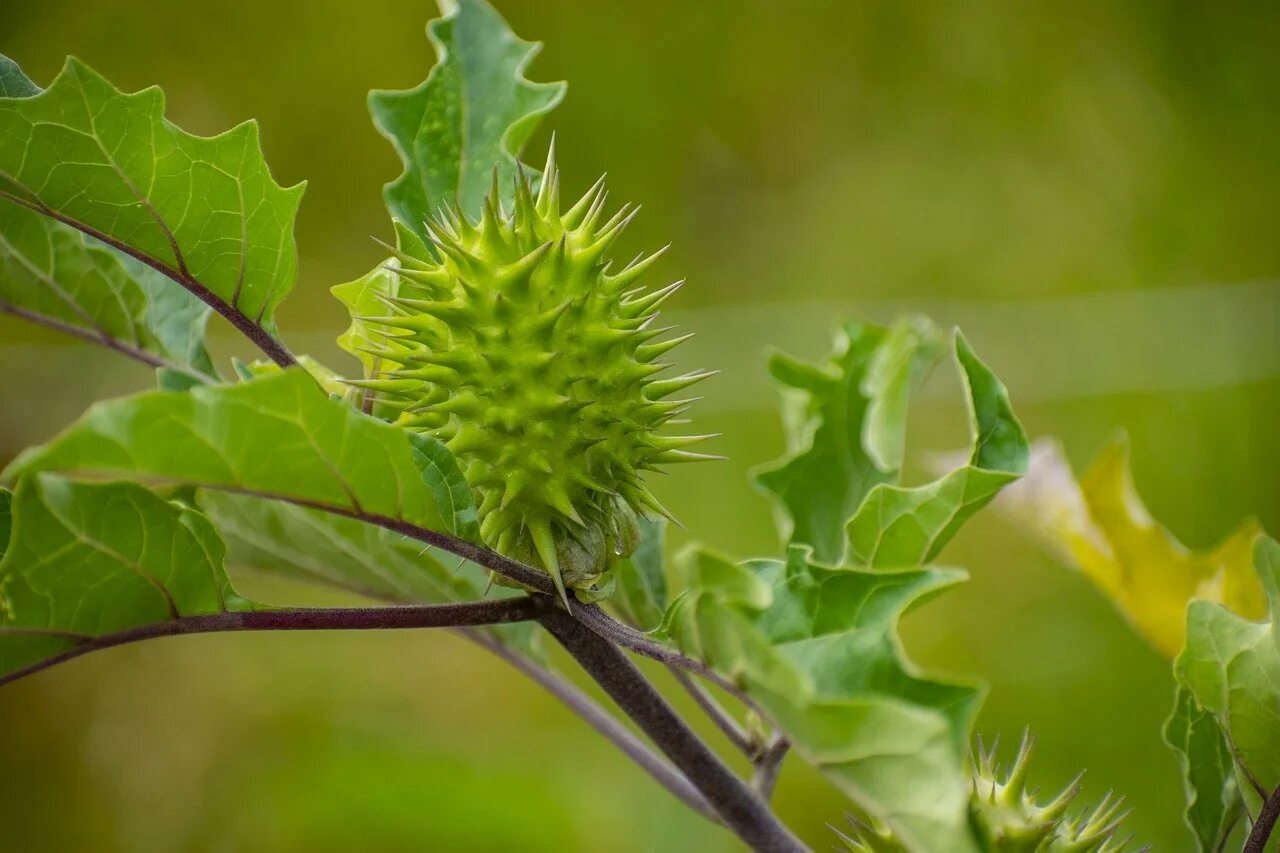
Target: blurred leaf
(474,112)
(1231,666)
(282,539)
(1208,772)
(897,526)
(109,164)
(327,378)
(817,648)
(51,273)
(641,593)
(845,420)
(6,518)
(361,299)
(1101,525)
(88,560)
(277,436)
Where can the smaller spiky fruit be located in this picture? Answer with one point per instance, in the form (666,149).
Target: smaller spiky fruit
(1007,817)
(538,368)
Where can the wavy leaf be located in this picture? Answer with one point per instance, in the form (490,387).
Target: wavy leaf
(1100,525)
(899,526)
(817,648)
(474,112)
(1231,665)
(276,436)
(845,423)
(1208,771)
(86,560)
(13,83)
(54,275)
(109,164)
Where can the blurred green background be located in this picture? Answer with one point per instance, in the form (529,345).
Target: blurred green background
(1088,188)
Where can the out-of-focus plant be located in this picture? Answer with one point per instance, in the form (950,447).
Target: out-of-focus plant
(511,403)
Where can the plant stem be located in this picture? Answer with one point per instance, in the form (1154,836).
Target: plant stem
(768,766)
(604,723)
(740,809)
(103,339)
(723,720)
(1264,824)
(297,619)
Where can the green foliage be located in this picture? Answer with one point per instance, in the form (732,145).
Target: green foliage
(1231,667)
(641,592)
(1208,771)
(471,115)
(278,436)
(110,165)
(816,644)
(87,560)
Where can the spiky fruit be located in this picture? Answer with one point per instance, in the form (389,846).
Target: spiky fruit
(1008,819)
(539,368)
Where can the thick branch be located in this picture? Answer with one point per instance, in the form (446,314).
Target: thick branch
(303,619)
(1264,824)
(739,808)
(606,724)
(271,347)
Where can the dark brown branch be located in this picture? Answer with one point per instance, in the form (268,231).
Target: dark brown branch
(307,619)
(740,809)
(1263,824)
(104,340)
(271,347)
(606,724)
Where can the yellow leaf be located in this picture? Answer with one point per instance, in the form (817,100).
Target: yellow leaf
(1100,525)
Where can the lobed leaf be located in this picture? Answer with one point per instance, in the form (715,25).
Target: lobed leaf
(275,436)
(88,560)
(1231,666)
(109,164)
(474,112)
(845,423)
(907,526)
(1208,771)
(816,647)
(1100,524)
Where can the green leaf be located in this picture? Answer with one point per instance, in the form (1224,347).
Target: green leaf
(899,526)
(13,83)
(1208,772)
(1231,665)
(52,274)
(109,164)
(1100,524)
(474,111)
(283,539)
(86,560)
(641,594)
(817,648)
(276,436)
(845,425)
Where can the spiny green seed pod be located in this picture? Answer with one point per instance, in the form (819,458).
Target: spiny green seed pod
(539,368)
(1008,818)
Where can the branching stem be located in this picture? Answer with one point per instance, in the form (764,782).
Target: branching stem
(299,619)
(1264,824)
(723,719)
